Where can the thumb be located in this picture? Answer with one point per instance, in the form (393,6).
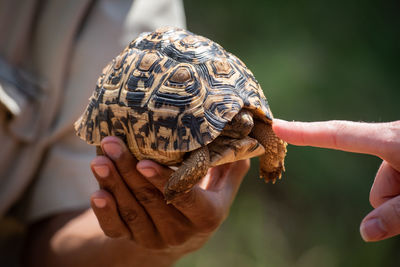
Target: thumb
(229,182)
(383,222)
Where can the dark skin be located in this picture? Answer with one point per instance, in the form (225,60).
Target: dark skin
(130,223)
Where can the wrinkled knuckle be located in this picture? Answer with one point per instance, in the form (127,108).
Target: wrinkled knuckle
(128,215)
(148,195)
(339,127)
(338,124)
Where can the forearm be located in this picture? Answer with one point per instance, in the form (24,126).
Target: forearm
(77,240)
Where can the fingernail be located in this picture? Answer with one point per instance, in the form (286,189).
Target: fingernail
(101,170)
(99,202)
(372,229)
(147,172)
(112,150)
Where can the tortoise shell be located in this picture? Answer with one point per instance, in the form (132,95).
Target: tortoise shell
(170,92)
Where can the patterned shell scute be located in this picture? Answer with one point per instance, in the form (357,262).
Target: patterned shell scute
(170,91)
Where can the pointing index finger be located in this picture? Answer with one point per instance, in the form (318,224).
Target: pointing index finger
(380,139)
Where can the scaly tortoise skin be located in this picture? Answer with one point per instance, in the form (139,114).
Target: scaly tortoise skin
(181,100)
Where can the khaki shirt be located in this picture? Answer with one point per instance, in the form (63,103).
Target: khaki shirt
(58,49)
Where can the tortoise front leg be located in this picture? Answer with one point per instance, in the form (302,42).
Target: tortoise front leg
(192,170)
(272,161)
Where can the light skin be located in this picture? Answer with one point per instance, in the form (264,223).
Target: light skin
(130,223)
(379,139)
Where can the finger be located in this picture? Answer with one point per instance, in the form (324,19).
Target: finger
(132,213)
(383,222)
(232,175)
(154,173)
(201,207)
(105,209)
(225,182)
(230,179)
(126,163)
(381,139)
(116,150)
(386,185)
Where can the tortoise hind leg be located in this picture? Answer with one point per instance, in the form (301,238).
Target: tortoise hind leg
(272,161)
(192,170)
(240,126)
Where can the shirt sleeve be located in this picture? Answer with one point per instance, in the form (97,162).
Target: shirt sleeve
(64,180)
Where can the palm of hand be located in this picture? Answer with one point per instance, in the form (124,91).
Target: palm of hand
(130,202)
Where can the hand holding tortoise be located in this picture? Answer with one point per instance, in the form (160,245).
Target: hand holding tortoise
(130,203)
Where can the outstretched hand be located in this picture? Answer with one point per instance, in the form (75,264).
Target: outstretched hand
(130,202)
(379,139)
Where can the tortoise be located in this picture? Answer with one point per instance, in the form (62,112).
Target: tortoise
(181,100)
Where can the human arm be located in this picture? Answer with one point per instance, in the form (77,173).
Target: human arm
(141,228)
(76,239)
(379,139)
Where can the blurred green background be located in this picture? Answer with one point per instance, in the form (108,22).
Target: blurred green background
(316,60)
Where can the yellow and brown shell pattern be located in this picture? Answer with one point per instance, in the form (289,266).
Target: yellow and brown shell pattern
(170,92)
